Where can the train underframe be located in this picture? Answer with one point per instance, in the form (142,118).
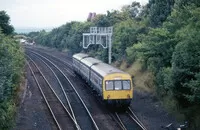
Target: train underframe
(118,104)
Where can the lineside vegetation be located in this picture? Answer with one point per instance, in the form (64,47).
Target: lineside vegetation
(11,71)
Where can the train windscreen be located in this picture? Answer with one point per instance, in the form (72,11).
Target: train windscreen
(118,85)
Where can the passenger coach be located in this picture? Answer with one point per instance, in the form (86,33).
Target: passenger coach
(112,85)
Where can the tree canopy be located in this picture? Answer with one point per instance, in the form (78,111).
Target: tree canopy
(5,26)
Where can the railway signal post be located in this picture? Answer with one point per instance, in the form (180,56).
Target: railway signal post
(99,35)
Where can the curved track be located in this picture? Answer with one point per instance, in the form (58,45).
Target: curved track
(135,118)
(128,122)
(81,112)
(52,100)
(125,121)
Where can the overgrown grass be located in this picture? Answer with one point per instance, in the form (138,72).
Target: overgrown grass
(143,80)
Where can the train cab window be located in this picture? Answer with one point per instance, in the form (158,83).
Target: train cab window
(118,85)
(109,85)
(126,84)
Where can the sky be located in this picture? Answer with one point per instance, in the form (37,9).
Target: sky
(53,13)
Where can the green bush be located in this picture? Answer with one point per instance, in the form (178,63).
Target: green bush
(11,68)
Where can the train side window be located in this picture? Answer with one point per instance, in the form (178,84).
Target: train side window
(126,84)
(118,85)
(109,85)
(100,81)
(95,79)
(92,76)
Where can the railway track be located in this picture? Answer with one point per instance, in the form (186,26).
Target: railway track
(57,109)
(126,120)
(136,119)
(81,112)
(57,59)
(129,120)
(62,94)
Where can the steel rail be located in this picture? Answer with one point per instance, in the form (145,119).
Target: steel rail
(60,60)
(136,119)
(113,116)
(57,124)
(120,121)
(94,123)
(132,115)
(71,117)
(52,56)
(66,97)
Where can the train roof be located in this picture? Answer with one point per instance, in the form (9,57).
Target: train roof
(97,65)
(89,61)
(104,69)
(80,56)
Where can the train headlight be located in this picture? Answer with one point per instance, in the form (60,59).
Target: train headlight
(108,96)
(128,96)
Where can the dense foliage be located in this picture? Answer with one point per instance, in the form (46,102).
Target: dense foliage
(5,23)
(11,65)
(163,35)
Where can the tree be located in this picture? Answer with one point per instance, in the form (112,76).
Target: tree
(158,11)
(125,35)
(186,60)
(101,21)
(132,10)
(5,23)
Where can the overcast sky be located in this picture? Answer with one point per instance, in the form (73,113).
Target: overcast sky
(53,13)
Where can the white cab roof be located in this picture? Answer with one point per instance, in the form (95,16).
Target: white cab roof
(89,61)
(104,69)
(80,56)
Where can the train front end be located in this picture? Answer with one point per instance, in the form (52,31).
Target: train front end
(118,89)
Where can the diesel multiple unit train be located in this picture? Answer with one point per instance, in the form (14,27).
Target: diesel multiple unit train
(111,84)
